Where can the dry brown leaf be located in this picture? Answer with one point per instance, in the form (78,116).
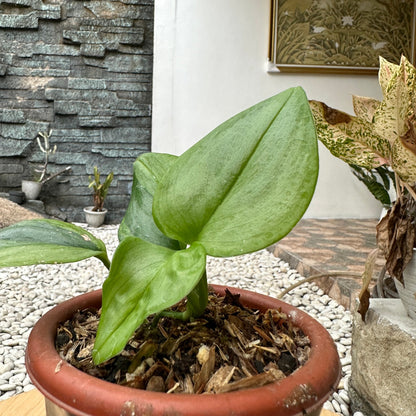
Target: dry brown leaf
(364,296)
(396,236)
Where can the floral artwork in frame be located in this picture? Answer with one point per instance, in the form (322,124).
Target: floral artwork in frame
(341,35)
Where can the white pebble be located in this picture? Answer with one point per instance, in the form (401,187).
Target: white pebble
(7,387)
(344,410)
(336,405)
(5,367)
(344,396)
(328,406)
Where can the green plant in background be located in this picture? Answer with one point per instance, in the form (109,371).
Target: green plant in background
(100,190)
(239,189)
(379,181)
(382,133)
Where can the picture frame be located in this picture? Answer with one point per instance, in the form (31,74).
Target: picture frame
(340,37)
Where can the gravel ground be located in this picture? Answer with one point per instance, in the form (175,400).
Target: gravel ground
(26,293)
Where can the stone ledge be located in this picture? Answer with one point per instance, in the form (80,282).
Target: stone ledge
(383,359)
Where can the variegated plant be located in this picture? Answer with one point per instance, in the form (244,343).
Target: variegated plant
(382,132)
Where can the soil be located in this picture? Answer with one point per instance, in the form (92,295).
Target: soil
(11,213)
(229,348)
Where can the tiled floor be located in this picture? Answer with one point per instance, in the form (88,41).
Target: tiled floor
(324,245)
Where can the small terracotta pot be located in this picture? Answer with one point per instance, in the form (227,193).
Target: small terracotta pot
(64,386)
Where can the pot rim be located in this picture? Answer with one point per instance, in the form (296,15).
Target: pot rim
(90,211)
(305,389)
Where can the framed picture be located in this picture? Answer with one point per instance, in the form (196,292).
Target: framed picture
(341,35)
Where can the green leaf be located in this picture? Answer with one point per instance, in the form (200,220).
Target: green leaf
(247,183)
(144,279)
(138,221)
(371,181)
(48,241)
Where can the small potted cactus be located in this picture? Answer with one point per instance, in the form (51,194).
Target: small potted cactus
(95,215)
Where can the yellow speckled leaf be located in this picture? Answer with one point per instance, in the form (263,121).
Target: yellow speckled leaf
(365,107)
(345,136)
(387,69)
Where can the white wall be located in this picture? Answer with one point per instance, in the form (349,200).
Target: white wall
(210,63)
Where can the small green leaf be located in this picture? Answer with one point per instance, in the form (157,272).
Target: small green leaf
(247,183)
(144,279)
(138,221)
(48,241)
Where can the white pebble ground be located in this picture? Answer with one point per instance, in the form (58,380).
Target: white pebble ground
(26,293)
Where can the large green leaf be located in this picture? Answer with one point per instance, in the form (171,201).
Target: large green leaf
(149,169)
(247,183)
(48,241)
(144,279)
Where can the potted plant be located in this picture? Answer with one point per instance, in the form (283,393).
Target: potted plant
(382,133)
(95,215)
(32,188)
(240,189)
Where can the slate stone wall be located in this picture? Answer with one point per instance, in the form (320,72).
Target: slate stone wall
(83,69)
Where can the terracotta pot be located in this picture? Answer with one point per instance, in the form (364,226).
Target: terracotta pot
(94,218)
(301,393)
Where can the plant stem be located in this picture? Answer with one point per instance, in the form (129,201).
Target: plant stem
(68,168)
(313,277)
(197,301)
(105,260)
(198,298)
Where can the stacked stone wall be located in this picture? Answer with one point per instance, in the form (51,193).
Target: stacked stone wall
(84,70)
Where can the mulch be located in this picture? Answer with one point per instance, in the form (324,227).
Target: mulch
(229,348)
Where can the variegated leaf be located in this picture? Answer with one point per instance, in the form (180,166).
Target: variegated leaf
(404,162)
(345,135)
(394,120)
(365,107)
(385,73)
(389,118)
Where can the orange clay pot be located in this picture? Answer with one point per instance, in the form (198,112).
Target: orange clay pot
(69,391)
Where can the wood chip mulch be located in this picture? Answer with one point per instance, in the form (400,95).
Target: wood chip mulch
(229,348)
